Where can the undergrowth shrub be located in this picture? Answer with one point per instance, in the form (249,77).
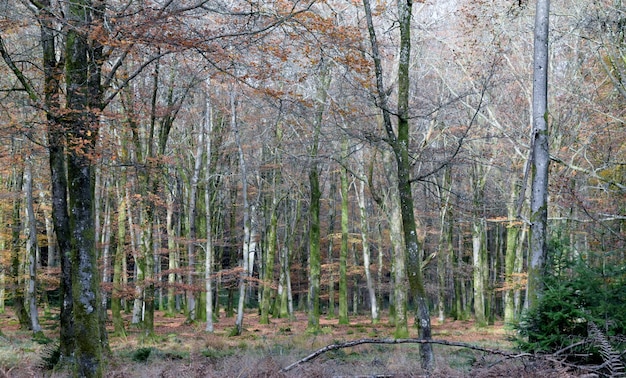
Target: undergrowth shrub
(577,295)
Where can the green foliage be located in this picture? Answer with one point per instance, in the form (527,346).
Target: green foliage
(142,354)
(575,293)
(50,357)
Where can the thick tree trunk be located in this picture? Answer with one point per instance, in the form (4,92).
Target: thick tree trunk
(400,284)
(82,129)
(540,156)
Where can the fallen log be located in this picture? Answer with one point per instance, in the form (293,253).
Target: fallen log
(353,343)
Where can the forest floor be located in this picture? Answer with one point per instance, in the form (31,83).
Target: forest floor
(180,349)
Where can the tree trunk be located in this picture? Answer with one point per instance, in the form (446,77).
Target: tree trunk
(314,207)
(120,255)
(540,156)
(331,246)
(399,143)
(445,241)
(479,244)
(360,195)
(2,271)
(32,248)
(209,186)
(512,238)
(343,251)
(249,244)
(19,307)
(173,260)
(106,244)
(82,79)
(191,226)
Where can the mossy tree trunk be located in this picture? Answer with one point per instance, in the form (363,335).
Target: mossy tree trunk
(272,235)
(479,244)
(315,193)
(512,240)
(399,143)
(82,60)
(331,246)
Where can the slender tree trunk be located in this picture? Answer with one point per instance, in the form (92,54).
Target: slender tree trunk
(172,256)
(360,195)
(209,253)
(2,270)
(248,247)
(106,246)
(32,248)
(137,312)
(19,307)
(479,244)
(540,156)
(512,238)
(209,180)
(445,242)
(192,210)
(120,255)
(331,246)
(518,269)
(268,277)
(343,251)
(314,207)
(399,142)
